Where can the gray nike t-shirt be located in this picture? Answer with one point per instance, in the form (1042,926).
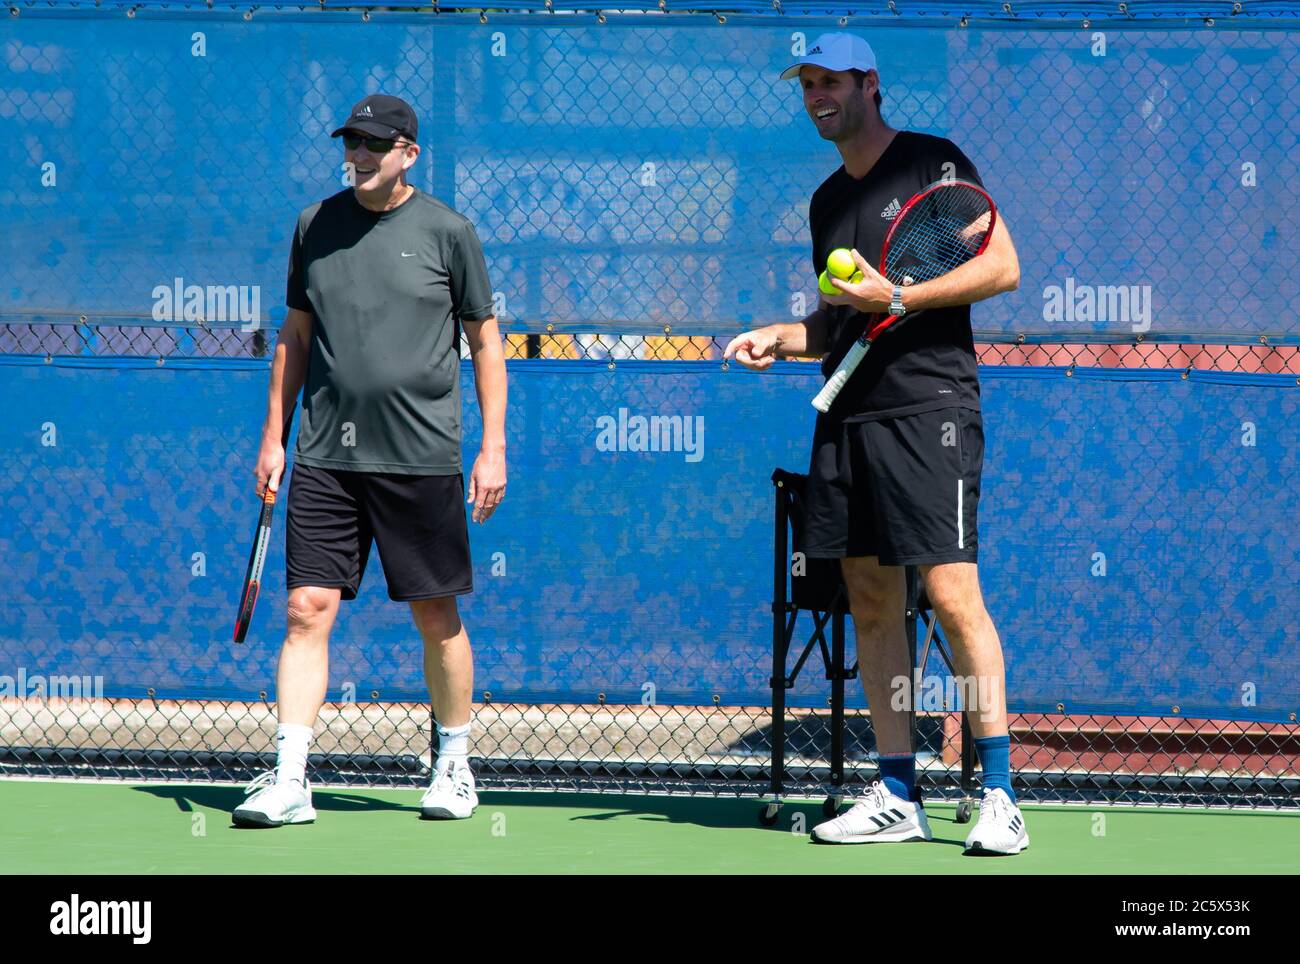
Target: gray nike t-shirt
(388,292)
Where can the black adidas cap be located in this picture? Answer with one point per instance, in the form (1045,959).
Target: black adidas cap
(381,115)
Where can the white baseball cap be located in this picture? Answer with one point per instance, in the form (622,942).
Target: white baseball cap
(835,51)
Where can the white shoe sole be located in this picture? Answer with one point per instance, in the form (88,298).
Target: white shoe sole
(979,850)
(917,832)
(256,818)
(885,836)
(443,813)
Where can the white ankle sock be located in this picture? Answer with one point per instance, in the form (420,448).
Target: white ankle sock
(453,746)
(291,743)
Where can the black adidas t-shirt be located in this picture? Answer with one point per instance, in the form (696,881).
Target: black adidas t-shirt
(921,363)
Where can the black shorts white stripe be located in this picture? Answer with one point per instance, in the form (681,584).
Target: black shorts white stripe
(904,489)
(418,522)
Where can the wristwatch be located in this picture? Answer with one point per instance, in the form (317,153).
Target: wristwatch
(896,307)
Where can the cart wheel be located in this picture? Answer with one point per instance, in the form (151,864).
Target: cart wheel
(768,813)
(963,812)
(831,805)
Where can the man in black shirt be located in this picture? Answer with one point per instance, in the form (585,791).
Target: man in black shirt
(895,470)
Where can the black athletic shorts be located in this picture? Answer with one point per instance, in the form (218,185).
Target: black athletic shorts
(904,489)
(418,522)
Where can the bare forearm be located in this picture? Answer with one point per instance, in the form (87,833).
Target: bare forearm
(490,385)
(288,372)
(803,339)
(976,280)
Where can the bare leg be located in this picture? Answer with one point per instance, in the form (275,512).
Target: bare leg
(890,812)
(877,597)
(448,660)
(303,671)
(954,591)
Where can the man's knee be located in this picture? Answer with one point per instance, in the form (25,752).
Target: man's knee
(436,619)
(311,609)
(875,592)
(953,591)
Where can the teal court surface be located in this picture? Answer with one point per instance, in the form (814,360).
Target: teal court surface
(79,827)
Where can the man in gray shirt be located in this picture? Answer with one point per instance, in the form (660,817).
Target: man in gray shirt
(382,278)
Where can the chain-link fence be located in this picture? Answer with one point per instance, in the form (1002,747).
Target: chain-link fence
(1071,758)
(87,339)
(651,171)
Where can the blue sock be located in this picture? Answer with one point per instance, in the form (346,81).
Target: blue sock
(898,773)
(994,753)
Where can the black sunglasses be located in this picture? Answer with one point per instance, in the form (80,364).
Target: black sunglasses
(375,145)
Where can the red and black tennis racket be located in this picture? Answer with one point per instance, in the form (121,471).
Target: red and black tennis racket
(257,558)
(939,229)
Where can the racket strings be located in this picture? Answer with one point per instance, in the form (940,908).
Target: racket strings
(942,231)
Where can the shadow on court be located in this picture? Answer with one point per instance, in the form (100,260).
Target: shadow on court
(712,812)
(718,813)
(324,799)
(703,812)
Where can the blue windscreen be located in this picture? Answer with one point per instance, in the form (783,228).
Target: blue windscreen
(647,172)
(1138,541)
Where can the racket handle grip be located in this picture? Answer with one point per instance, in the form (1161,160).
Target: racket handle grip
(848,365)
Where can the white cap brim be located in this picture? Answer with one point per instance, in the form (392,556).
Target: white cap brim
(792,72)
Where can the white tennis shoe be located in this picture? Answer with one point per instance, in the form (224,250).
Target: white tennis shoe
(273,804)
(879,817)
(1001,826)
(450,796)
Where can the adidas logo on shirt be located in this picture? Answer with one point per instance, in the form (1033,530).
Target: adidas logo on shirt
(891,210)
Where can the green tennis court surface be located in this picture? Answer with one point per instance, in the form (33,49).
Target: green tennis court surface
(71,827)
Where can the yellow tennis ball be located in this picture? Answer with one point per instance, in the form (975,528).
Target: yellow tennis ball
(840,263)
(824,285)
(858,278)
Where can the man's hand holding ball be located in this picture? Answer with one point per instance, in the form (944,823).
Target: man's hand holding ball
(854,282)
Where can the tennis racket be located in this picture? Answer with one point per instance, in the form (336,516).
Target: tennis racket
(257,558)
(939,229)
